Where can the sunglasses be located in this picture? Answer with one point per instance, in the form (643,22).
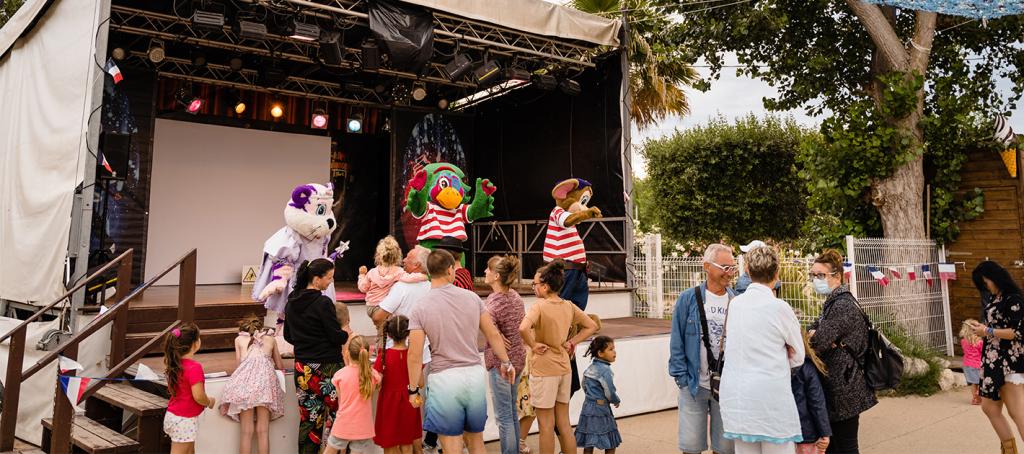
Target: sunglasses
(726,268)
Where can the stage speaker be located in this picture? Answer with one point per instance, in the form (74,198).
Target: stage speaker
(115,148)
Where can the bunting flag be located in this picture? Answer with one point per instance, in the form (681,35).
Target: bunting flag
(114,71)
(926,270)
(877,274)
(911,273)
(105,163)
(145,373)
(74,387)
(895,272)
(947,271)
(848,271)
(66,364)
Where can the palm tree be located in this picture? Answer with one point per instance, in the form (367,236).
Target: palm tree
(658,69)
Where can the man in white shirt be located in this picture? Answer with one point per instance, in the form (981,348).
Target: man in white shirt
(407,292)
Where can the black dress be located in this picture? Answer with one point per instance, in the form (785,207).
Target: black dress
(1001,357)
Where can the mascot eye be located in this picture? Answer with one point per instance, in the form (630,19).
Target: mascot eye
(321,210)
(585,199)
(443,183)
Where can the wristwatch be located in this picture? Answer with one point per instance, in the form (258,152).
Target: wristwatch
(990,331)
(413,390)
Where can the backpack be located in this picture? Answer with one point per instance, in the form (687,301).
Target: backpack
(882,361)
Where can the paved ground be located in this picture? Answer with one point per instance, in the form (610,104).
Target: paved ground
(943,423)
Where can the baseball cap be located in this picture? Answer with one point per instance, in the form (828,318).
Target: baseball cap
(752,245)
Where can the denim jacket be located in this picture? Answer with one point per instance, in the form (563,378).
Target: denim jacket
(601,384)
(686,343)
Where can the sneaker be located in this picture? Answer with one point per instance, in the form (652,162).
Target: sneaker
(427,449)
(523,448)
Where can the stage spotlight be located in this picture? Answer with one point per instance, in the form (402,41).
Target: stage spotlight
(570,87)
(487,72)
(191,102)
(355,123)
(240,107)
(517,74)
(419,91)
(276,110)
(208,19)
(238,103)
(198,58)
(371,55)
(544,82)
(235,63)
(319,120)
(458,67)
(303,31)
(156,50)
(442,104)
(251,30)
(118,53)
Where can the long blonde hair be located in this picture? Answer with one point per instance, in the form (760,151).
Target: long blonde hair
(388,253)
(810,353)
(966,332)
(359,351)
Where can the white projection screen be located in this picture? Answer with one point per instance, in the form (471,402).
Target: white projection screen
(223,191)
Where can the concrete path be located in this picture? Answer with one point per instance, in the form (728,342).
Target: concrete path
(943,423)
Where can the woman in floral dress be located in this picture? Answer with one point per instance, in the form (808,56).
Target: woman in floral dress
(1002,360)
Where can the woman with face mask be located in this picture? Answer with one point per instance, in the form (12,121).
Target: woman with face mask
(840,337)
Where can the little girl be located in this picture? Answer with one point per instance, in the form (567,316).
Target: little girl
(254,389)
(398,424)
(971,344)
(597,427)
(810,403)
(354,384)
(376,283)
(186,383)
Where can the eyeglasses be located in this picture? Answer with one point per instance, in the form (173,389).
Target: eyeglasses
(820,275)
(535,284)
(726,268)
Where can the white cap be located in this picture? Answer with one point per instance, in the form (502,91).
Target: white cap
(753,244)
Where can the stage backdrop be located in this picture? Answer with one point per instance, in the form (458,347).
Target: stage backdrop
(223,191)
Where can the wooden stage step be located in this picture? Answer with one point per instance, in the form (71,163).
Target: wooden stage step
(92,437)
(111,403)
(213,339)
(218,310)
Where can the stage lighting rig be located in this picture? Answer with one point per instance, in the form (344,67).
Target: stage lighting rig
(303,31)
(517,74)
(458,67)
(276,109)
(544,82)
(371,55)
(487,72)
(235,63)
(119,53)
(156,52)
(419,91)
(208,20)
(570,87)
(251,30)
(331,50)
(354,123)
(193,104)
(319,120)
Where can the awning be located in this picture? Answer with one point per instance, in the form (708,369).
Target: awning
(533,16)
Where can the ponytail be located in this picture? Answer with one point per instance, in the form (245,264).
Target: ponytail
(359,351)
(308,270)
(178,343)
(250,324)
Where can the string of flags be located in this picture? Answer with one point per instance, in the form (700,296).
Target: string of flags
(885,276)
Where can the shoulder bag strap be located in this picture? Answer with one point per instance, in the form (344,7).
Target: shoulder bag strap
(725,326)
(698,291)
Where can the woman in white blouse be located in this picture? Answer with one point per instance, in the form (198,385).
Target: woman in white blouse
(762,343)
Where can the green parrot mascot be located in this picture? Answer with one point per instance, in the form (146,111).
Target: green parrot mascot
(438,198)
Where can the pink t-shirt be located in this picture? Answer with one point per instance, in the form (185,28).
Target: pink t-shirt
(181,403)
(355,414)
(972,354)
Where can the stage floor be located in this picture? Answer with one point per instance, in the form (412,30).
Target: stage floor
(616,328)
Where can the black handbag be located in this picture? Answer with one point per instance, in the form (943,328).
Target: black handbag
(881,361)
(715,366)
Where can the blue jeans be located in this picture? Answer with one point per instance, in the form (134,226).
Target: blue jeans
(693,423)
(504,395)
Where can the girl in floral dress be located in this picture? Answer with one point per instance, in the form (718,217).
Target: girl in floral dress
(254,396)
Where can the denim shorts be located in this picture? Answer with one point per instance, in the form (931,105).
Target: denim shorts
(973,375)
(693,423)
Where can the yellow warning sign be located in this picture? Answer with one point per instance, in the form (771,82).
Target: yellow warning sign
(249,275)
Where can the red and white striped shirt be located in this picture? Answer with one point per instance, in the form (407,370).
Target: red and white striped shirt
(563,242)
(438,223)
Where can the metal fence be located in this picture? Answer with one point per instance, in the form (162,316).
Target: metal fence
(917,309)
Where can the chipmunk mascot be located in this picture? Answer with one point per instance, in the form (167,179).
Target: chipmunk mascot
(309,221)
(438,198)
(563,241)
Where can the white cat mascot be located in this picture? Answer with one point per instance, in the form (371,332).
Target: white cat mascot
(309,221)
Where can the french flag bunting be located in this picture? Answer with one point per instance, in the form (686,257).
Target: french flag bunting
(66,364)
(911,273)
(114,71)
(105,163)
(877,274)
(895,272)
(74,387)
(947,271)
(926,270)
(848,271)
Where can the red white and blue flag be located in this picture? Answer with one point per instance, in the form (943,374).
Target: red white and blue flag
(848,271)
(911,273)
(106,164)
(114,71)
(879,276)
(895,272)
(926,270)
(947,271)
(74,387)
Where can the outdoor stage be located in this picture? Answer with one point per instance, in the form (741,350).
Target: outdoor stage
(641,379)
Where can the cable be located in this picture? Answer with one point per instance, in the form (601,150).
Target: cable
(955,26)
(683,13)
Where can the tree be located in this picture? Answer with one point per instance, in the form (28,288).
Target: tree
(8,9)
(732,182)
(886,78)
(658,69)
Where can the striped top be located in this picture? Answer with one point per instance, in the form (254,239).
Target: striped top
(563,242)
(438,223)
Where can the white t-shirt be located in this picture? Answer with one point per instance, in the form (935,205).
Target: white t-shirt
(402,297)
(714,307)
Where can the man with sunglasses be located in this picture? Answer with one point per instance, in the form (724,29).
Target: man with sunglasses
(698,321)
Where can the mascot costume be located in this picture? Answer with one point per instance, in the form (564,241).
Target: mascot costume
(438,198)
(309,221)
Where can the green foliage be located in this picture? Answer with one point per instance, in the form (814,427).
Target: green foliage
(8,9)
(922,385)
(733,182)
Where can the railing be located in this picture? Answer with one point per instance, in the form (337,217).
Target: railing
(118,315)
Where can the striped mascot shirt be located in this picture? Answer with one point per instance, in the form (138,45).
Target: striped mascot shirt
(563,242)
(439,222)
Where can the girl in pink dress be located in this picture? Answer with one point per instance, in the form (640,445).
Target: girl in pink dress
(971,344)
(255,394)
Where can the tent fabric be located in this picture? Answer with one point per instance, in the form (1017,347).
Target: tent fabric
(43,128)
(19,23)
(533,16)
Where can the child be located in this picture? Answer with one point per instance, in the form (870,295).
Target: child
(398,424)
(810,403)
(597,428)
(186,383)
(376,283)
(344,319)
(354,384)
(971,344)
(254,389)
